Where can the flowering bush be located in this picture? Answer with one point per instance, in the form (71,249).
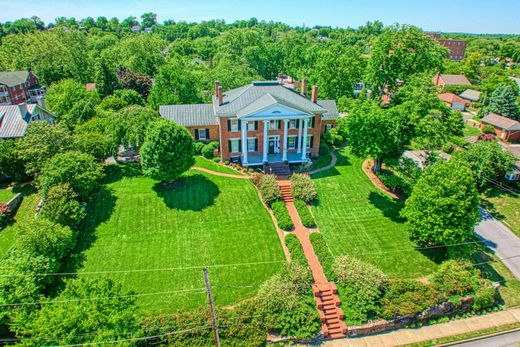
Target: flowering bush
(487,137)
(269,189)
(5,212)
(302,187)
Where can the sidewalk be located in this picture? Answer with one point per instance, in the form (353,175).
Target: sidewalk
(426,333)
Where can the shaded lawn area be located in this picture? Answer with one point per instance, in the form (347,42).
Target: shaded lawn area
(6,195)
(26,210)
(202,219)
(208,164)
(357,219)
(504,206)
(470,131)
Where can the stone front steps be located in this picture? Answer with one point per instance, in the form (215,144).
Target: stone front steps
(281,170)
(331,315)
(285,188)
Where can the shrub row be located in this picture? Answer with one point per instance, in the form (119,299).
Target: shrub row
(305,215)
(282,215)
(302,187)
(295,249)
(208,150)
(268,188)
(322,251)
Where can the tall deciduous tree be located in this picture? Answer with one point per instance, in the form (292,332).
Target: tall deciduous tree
(168,151)
(443,206)
(503,102)
(64,95)
(400,52)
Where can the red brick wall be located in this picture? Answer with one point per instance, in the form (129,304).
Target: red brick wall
(324,125)
(20,93)
(213,132)
(457,48)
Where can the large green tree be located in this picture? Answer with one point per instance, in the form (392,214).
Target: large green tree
(11,164)
(443,206)
(503,102)
(400,52)
(167,151)
(62,98)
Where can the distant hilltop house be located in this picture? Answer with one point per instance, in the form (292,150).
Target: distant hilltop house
(14,119)
(262,122)
(506,128)
(17,87)
(457,48)
(135,28)
(441,80)
(453,101)
(470,95)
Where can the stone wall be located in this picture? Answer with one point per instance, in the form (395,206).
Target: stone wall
(15,202)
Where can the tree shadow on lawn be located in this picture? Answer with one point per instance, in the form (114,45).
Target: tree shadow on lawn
(389,206)
(343,160)
(188,193)
(116,172)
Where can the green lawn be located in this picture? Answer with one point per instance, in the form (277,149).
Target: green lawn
(471,131)
(6,195)
(26,210)
(210,165)
(356,218)
(203,219)
(504,206)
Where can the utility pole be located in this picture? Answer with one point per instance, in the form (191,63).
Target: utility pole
(211,307)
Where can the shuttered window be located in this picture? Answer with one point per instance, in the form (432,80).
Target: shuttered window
(234,145)
(252,144)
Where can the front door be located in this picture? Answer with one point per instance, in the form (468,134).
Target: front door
(272,142)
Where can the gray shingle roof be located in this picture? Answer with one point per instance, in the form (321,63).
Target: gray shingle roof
(330,106)
(501,122)
(455,80)
(14,119)
(13,78)
(470,94)
(237,99)
(189,115)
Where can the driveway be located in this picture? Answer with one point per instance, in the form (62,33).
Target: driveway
(500,240)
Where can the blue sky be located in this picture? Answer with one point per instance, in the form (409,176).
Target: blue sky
(478,16)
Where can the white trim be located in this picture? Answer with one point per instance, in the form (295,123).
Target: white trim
(276,143)
(295,137)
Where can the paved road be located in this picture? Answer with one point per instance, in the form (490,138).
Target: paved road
(501,240)
(506,340)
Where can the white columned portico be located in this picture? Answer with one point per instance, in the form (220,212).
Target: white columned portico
(266,126)
(304,139)
(243,125)
(285,126)
(299,139)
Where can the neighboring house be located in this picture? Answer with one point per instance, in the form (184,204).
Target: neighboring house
(442,80)
(507,129)
(18,87)
(135,29)
(457,48)
(453,101)
(420,157)
(259,122)
(470,95)
(14,119)
(147,30)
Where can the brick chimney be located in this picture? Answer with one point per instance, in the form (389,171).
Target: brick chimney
(217,83)
(314,95)
(219,95)
(304,87)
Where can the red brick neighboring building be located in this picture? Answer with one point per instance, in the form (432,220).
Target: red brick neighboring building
(453,101)
(457,48)
(507,129)
(261,122)
(17,87)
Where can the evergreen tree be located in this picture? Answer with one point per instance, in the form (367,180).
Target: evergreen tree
(503,102)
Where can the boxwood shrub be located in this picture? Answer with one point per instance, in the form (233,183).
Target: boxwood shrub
(209,149)
(322,251)
(282,215)
(198,147)
(269,189)
(305,215)
(302,187)
(295,249)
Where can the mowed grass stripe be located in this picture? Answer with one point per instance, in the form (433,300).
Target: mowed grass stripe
(356,218)
(204,219)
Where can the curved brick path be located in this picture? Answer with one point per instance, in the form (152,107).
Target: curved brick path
(329,166)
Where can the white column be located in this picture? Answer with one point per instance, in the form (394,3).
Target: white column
(304,139)
(299,139)
(285,126)
(244,141)
(266,125)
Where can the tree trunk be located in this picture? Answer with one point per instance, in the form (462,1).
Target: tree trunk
(377,165)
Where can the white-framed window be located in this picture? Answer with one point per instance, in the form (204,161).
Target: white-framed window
(251,144)
(202,134)
(273,124)
(291,141)
(308,142)
(233,125)
(328,127)
(293,124)
(251,125)
(235,145)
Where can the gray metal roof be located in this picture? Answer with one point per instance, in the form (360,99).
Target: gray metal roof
(14,119)
(266,101)
(470,94)
(237,99)
(189,115)
(13,78)
(331,108)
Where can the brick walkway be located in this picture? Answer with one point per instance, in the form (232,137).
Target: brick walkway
(325,293)
(244,177)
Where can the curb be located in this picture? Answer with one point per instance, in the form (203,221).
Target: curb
(478,338)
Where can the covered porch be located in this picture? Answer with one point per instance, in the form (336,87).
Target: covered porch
(257,159)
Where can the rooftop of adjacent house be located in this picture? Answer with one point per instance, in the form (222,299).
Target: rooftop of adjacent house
(246,100)
(470,94)
(455,80)
(419,157)
(501,122)
(14,119)
(13,78)
(451,98)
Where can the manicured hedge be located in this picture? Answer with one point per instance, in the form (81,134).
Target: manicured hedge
(305,215)
(282,215)
(269,188)
(198,147)
(322,251)
(302,187)
(295,249)
(208,150)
